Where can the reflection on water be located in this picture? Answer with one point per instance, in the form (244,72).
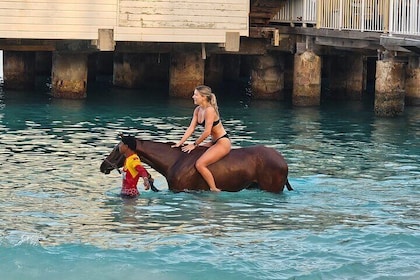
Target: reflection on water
(353,213)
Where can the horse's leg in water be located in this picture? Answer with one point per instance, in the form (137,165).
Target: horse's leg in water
(272,182)
(276,186)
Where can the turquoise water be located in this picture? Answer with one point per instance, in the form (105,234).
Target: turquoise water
(353,215)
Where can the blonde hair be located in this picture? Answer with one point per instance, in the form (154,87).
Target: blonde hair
(210,96)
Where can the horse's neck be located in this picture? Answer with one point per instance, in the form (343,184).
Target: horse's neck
(160,156)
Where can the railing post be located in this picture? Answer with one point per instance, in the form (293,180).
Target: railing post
(386,17)
(318,16)
(417,32)
(415,10)
(391,17)
(340,15)
(362,17)
(291,10)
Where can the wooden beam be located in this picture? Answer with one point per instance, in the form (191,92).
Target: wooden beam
(27,48)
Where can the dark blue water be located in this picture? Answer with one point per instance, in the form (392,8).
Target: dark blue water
(353,215)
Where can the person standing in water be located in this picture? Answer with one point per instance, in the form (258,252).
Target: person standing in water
(133,169)
(206,114)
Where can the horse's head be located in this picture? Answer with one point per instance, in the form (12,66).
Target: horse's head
(114,160)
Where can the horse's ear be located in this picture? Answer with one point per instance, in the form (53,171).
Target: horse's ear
(120,135)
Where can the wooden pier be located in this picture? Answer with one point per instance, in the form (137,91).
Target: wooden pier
(297,46)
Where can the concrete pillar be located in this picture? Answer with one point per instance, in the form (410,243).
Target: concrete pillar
(412,82)
(347,76)
(389,88)
(213,71)
(267,77)
(307,79)
(186,71)
(19,70)
(69,75)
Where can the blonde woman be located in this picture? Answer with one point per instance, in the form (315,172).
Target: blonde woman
(206,114)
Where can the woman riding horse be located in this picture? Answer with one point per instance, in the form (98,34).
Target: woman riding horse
(206,114)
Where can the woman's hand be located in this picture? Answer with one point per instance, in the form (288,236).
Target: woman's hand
(176,145)
(188,148)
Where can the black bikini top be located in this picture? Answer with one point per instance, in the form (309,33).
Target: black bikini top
(214,123)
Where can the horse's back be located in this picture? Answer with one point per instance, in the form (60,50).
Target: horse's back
(251,156)
(262,152)
(271,157)
(263,160)
(237,170)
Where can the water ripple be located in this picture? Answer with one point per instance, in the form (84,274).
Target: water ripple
(353,214)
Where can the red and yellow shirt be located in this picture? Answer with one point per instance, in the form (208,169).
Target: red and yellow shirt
(131,173)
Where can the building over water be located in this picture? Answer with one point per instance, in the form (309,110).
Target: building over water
(279,46)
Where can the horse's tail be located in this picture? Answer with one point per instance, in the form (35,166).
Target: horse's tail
(288,186)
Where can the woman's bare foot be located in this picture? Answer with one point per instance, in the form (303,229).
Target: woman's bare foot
(215,190)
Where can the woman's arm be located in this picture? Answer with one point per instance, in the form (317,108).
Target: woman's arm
(189,130)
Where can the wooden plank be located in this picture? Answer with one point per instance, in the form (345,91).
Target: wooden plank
(36,14)
(174,38)
(196,3)
(187,20)
(182,31)
(57,25)
(64,34)
(173,35)
(46,32)
(185,12)
(27,48)
(55,6)
(96,2)
(228,6)
(183,25)
(52,22)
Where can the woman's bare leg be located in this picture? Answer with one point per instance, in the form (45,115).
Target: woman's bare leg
(212,155)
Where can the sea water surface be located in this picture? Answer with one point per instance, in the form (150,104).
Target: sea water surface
(353,214)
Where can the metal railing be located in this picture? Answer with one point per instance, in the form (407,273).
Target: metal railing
(297,11)
(358,15)
(386,16)
(404,17)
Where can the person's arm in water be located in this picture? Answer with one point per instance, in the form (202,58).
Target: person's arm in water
(143,173)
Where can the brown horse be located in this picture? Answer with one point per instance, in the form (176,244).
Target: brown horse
(241,168)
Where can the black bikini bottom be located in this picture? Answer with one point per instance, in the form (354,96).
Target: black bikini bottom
(224,136)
